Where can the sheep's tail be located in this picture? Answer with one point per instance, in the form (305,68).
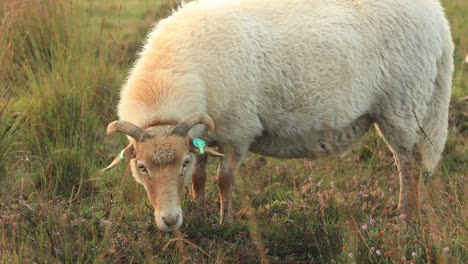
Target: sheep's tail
(435,124)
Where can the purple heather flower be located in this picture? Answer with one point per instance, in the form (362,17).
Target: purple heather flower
(319,183)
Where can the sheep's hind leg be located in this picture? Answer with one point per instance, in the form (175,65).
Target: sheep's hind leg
(227,168)
(409,169)
(401,135)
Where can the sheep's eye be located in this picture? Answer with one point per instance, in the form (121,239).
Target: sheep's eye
(142,168)
(186,163)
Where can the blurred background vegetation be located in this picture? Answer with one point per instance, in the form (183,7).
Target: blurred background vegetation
(61,66)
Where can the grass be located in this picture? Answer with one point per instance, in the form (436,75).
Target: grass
(61,66)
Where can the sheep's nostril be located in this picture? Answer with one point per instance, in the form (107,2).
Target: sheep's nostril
(170,220)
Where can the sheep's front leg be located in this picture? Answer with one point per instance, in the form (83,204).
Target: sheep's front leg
(199,179)
(226,170)
(409,172)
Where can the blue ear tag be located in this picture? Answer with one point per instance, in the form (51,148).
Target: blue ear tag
(200,144)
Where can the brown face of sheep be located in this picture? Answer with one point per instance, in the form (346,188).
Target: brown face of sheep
(162,159)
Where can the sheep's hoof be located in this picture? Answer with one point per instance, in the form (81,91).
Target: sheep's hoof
(200,207)
(225,216)
(408,215)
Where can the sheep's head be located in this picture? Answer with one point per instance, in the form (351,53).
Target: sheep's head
(162,158)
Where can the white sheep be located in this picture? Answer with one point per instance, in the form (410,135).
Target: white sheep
(293,79)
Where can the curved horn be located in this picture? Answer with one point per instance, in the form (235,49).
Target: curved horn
(192,120)
(125,127)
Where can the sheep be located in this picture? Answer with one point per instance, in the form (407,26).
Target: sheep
(289,79)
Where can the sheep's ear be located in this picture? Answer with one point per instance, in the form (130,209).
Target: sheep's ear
(213,152)
(208,151)
(126,154)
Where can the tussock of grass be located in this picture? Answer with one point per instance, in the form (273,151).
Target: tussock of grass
(64,92)
(61,66)
(7,139)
